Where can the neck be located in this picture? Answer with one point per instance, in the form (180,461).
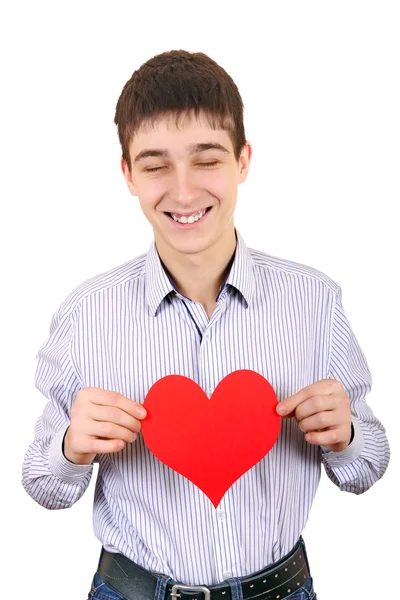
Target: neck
(199,276)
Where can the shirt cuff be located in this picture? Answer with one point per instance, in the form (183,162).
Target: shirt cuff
(349,454)
(60,466)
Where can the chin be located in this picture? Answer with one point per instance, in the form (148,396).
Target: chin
(190,246)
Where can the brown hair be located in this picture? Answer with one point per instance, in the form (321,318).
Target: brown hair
(178,82)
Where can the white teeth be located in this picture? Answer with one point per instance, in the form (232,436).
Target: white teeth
(192,219)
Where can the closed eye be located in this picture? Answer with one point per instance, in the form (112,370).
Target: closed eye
(208,164)
(153,169)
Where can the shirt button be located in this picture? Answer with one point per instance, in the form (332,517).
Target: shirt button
(209,392)
(207,337)
(227,575)
(221,515)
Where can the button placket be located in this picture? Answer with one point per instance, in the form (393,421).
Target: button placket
(224,534)
(205,360)
(182,306)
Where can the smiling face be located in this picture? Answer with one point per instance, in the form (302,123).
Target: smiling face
(186,177)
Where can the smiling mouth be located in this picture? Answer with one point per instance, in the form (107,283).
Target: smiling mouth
(189,219)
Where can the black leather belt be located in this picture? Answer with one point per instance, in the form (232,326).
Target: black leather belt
(277,582)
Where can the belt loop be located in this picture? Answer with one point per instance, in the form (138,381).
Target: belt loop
(303,545)
(161,587)
(236,588)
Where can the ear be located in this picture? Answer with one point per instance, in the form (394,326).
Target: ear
(128,177)
(244,162)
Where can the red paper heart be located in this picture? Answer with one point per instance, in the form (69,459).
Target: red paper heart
(211,442)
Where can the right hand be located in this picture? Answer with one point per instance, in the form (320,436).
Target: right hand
(102,422)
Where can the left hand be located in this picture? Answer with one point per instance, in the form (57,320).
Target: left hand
(322,411)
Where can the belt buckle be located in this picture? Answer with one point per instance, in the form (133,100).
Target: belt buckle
(190,588)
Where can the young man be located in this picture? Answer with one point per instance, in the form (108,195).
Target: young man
(202,305)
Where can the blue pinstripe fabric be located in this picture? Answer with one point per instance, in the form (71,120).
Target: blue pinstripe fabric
(126,329)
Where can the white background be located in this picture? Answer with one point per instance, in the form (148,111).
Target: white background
(320,83)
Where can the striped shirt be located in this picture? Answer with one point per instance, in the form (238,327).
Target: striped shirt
(123,331)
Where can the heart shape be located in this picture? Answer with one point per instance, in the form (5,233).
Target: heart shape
(211,442)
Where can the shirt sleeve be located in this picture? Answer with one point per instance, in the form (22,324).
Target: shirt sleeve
(48,477)
(357,467)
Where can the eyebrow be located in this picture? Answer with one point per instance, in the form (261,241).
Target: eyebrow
(195,148)
(192,149)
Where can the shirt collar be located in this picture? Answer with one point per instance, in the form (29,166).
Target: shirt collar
(159,285)
(241,275)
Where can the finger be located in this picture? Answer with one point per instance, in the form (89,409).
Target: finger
(109,431)
(287,406)
(112,414)
(315,405)
(325,438)
(319,421)
(107,398)
(97,446)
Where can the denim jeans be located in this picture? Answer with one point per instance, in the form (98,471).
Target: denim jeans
(100,591)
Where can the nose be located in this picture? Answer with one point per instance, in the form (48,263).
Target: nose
(184,191)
